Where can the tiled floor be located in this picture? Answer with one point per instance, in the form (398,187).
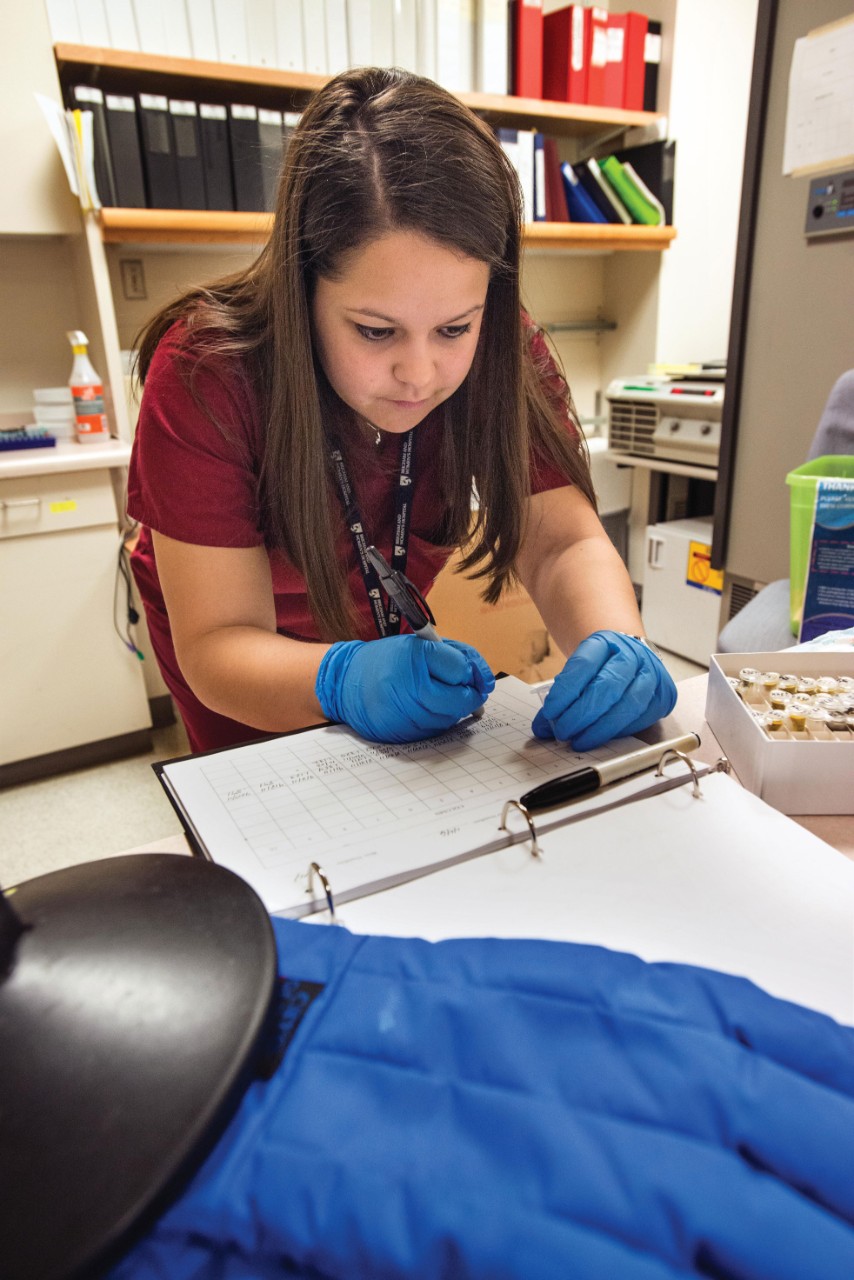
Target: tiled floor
(88,813)
(92,813)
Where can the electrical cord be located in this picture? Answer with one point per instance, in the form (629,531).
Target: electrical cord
(124,630)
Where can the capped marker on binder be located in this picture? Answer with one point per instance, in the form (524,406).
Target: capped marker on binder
(580,782)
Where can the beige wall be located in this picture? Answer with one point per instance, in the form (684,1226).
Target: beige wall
(34,194)
(39,296)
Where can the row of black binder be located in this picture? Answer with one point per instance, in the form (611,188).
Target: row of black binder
(166,153)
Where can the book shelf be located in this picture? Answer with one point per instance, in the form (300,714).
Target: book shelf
(194,227)
(225,82)
(182,231)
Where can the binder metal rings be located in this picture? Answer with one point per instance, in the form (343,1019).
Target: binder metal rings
(680,755)
(502,826)
(315,869)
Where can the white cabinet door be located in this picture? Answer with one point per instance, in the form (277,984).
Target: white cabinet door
(66,678)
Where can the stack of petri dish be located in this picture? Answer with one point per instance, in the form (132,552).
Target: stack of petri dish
(54,412)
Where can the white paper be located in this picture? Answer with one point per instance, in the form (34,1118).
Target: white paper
(177,27)
(491,46)
(369,814)
(63,21)
(122,25)
(314,36)
(820,109)
(151,25)
(200,18)
(261,32)
(405,35)
(58,125)
(382,33)
(290,44)
(92,17)
(725,882)
(232,37)
(337,40)
(359,43)
(425,18)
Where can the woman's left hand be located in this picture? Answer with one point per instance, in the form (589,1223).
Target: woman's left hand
(610,687)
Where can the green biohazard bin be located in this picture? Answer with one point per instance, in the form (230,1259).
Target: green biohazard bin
(803,482)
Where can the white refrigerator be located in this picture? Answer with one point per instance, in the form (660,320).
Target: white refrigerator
(681,601)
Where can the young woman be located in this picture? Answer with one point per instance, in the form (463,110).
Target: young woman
(349,388)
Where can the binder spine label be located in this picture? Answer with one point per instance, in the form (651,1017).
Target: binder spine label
(576,44)
(86,93)
(117,103)
(616,38)
(652,47)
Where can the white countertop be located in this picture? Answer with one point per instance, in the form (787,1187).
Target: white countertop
(64,456)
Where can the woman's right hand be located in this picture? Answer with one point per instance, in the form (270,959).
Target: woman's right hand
(402,688)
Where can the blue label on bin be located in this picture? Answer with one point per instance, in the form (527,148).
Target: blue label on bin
(829,594)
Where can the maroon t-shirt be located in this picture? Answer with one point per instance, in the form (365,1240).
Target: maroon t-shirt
(195,480)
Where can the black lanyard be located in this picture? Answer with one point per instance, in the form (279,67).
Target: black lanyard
(387,621)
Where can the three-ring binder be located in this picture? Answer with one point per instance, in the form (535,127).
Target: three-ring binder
(315,869)
(236,805)
(549,795)
(668,753)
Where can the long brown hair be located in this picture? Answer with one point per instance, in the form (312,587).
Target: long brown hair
(375,151)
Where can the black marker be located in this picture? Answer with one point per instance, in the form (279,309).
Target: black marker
(409,601)
(406,596)
(591,777)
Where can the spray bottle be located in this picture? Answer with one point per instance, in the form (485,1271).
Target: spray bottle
(87,391)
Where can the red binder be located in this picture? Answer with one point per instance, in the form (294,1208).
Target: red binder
(526,47)
(596,55)
(624,72)
(565,54)
(556,210)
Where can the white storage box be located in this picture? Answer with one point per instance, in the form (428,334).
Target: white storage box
(793,776)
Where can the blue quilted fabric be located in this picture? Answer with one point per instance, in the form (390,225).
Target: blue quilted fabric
(497,1109)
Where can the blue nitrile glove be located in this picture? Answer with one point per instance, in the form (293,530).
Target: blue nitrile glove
(610,687)
(402,688)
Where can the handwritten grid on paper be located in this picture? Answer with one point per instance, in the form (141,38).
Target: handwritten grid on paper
(295,793)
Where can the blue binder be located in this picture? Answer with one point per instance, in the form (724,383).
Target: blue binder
(581,207)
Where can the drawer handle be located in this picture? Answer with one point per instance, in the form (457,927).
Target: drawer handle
(5,503)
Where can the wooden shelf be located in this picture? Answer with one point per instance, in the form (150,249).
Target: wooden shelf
(183,227)
(189,227)
(228,82)
(588,235)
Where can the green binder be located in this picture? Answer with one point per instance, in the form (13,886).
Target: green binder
(635,195)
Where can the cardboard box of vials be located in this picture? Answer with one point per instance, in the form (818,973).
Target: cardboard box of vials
(794,775)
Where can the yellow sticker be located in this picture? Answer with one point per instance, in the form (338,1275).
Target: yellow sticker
(700,572)
(56,508)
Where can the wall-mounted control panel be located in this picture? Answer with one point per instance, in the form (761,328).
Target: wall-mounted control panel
(830,205)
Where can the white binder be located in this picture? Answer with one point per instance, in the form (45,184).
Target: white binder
(200,16)
(231,31)
(290,43)
(261,32)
